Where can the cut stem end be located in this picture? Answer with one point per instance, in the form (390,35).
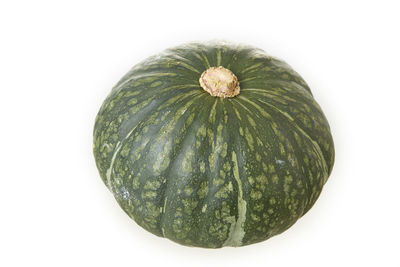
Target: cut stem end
(220,82)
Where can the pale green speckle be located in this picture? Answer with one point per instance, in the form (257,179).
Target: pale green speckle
(125,151)
(250,179)
(203,190)
(188,190)
(140,106)
(218,181)
(210,135)
(227,167)
(288,179)
(132,93)
(135,182)
(132,101)
(187,162)
(255,194)
(224,191)
(201,131)
(189,120)
(155,84)
(204,208)
(152,185)
(202,167)
(286,188)
(176,225)
(282,148)
(212,158)
(149,194)
(219,129)
(198,144)
(254,217)
(224,150)
(162,160)
(265,168)
(275,179)
(271,168)
(136,154)
(259,142)
(189,205)
(258,206)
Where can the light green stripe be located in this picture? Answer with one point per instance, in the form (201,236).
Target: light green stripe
(218,57)
(162,215)
(243,106)
(178,87)
(188,67)
(180,62)
(237,232)
(272,93)
(147,75)
(202,58)
(211,118)
(109,171)
(206,60)
(250,68)
(247,79)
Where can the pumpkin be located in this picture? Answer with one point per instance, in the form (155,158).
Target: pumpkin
(213,144)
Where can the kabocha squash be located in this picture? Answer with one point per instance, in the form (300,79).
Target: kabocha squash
(213,144)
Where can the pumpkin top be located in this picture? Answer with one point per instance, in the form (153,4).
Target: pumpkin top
(220,82)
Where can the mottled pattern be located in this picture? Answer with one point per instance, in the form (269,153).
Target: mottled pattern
(207,171)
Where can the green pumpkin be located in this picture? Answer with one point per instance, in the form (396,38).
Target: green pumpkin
(213,144)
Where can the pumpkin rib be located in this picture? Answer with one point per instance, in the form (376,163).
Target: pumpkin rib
(293,124)
(173,162)
(236,237)
(301,109)
(209,177)
(116,150)
(288,117)
(315,147)
(305,181)
(147,147)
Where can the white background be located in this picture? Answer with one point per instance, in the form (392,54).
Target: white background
(59,60)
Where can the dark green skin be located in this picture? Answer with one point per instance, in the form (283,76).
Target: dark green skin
(207,171)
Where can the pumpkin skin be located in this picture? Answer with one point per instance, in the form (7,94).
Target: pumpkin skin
(208,171)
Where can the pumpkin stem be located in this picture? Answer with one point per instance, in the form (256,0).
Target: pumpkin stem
(221,82)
